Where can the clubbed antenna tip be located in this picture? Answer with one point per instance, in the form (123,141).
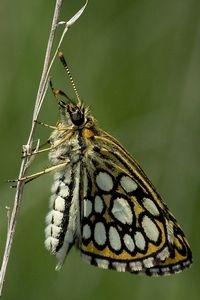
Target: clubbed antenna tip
(64,63)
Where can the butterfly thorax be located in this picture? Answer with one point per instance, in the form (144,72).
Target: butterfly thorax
(73,134)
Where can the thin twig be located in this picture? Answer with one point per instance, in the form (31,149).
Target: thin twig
(27,148)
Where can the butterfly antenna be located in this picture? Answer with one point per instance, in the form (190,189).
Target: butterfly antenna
(64,63)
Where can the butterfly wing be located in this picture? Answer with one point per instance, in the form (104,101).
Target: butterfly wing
(124,223)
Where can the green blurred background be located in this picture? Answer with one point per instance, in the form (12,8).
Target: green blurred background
(137,64)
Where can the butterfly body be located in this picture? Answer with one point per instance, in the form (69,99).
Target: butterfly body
(103,202)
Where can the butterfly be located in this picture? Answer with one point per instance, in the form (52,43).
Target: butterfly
(103,203)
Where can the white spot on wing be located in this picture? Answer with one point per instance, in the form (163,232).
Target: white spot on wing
(51,244)
(55,186)
(64,191)
(150,229)
(100,233)
(48,218)
(140,241)
(104,181)
(52,230)
(129,243)
(170,231)
(48,230)
(57,217)
(114,238)
(87,207)
(59,204)
(148,262)
(102,263)
(163,254)
(86,231)
(135,266)
(98,204)
(120,267)
(122,211)
(150,206)
(128,184)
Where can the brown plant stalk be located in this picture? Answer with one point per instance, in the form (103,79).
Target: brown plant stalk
(27,152)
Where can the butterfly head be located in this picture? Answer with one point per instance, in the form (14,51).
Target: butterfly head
(73,114)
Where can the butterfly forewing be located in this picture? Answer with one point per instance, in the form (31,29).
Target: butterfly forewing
(125,226)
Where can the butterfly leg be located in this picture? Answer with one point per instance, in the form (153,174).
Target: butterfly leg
(31,177)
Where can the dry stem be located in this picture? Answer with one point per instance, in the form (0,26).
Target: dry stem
(27,158)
